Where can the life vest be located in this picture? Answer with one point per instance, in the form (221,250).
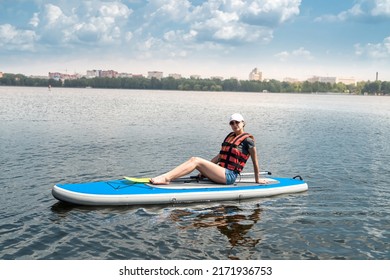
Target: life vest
(230,156)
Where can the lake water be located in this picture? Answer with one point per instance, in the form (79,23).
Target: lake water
(338,144)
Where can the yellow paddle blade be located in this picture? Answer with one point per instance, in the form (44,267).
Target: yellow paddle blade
(138,180)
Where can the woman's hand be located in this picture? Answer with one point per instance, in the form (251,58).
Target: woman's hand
(262,181)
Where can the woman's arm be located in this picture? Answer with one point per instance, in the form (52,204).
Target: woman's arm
(256,169)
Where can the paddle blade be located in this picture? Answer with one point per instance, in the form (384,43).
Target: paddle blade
(138,180)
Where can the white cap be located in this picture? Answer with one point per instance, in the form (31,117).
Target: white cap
(236,117)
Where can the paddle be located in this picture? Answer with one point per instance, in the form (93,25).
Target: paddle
(147,180)
(252,174)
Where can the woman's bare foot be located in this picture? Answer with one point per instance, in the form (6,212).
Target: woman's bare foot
(159,180)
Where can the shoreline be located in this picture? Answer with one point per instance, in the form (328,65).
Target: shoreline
(52,88)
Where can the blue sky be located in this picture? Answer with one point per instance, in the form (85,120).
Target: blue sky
(282,38)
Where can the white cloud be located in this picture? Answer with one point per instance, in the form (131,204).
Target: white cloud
(283,56)
(173,10)
(114,10)
(381,8)
(363,10)
(53,13)
(220,26)
(34,21)
(270,12)
(355,12)
(241,21)
(128,36)
(300,53)
(160,27)
(180,36)
(87,32)
(90,22)
(12,38)
(181,28)
(374,51)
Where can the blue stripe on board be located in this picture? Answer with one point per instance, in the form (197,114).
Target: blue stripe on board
(123,187)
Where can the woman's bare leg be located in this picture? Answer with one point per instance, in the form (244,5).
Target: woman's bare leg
(208,169)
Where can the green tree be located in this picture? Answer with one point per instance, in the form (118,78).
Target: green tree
(372,87)
(231,85)
(385,87)
(340,87)
(307,87)
(170,83)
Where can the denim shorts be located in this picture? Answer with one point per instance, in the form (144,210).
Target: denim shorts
(231,176)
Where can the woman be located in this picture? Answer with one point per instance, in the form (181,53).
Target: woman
(224,168)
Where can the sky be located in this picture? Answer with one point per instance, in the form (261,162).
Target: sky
(282,38)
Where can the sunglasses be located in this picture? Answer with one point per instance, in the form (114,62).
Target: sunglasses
(234,122)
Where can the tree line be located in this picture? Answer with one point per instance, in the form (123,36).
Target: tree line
(169,83)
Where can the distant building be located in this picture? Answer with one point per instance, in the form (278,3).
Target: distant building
(290,80)
(313,79)
(347,81)
(61,76)
(137,75)
(155,74)
(216,78)
(125,75)
(1,74)
(108,74)
(55,76)
(93,74)
(195,77)
(255,75)
(331,80)
(175,76)
(38,77)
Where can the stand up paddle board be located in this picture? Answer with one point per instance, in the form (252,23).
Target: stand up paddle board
(138,191)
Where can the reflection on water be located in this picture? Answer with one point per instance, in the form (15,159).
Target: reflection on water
(62,209)
(231,221)
(232,225)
